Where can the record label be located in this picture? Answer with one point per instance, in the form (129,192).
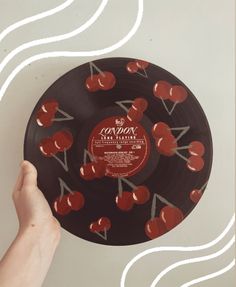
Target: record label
(123,144)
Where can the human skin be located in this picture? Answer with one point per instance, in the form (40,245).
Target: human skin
(29,257)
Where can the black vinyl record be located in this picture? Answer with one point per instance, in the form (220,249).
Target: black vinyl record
(123,150)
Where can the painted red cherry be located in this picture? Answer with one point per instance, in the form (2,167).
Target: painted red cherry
(132,67)
(166,145)
(87,171)
(63,140)
(99,168)
(140,104)
(61,205)
(44,119)
(92,83)
(50,106)
(155,227)
(75,200)
(171,216)
(134,115)
(161,90)
(195,195)
(196,148)
(141,64)
(94,227)
(104,223)
(47,147)
(106,80)
(195,163)
(161,129)
(141,194)
(178,94)
(125,202)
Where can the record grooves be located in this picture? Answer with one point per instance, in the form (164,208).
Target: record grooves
(123,150)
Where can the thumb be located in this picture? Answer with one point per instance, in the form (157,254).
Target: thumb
(29,175)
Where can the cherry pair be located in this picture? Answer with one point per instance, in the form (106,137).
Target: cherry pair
(100,225)
(101,81)
(134,67)
(125,200)
(93,170)
(169,217)
(135,113)
(165,91)
(166,143)
(66,203)
(58,142)
(46,114)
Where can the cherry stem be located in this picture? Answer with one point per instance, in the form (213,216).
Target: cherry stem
(183,147)
(64,186)
(88,154)
(68,117)
(184,131)
(142,74)
(63,164)
(61,119)
(65,160)
(181,156)
(204,185)
(173,107)
(166,108)
(93,66)
(120,187)
(121,104)
(145,72)
(154,203)
(105,233)
(163,200)
(61,188)
(153,208)
(129,183)
(102,236)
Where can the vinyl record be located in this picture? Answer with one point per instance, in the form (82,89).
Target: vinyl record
(123,150)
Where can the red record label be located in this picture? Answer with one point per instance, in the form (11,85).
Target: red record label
(122,143)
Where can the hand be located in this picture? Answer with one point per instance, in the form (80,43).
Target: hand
(31,206)
(29,257)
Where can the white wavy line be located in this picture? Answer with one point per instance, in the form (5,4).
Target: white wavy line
(76,54)
(192,260)
(53,39)
(210,276)
(174,248)
(34,18)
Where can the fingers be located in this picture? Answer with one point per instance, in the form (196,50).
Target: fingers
(29,175)
(19,181)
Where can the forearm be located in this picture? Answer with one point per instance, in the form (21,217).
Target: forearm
(28,259)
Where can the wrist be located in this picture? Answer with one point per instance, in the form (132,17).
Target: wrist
(47,231)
